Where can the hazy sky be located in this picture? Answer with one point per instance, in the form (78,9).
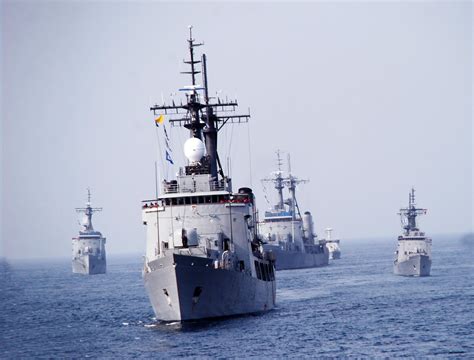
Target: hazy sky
(369,99)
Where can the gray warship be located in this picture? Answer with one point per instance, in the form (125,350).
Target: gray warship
(332,245)
(203,256)
(287,234)
(413,255)
(88,249)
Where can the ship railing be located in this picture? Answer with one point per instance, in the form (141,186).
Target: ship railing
(169,188)
(173,187)
(219,186)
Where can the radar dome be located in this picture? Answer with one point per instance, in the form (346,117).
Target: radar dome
(194,149)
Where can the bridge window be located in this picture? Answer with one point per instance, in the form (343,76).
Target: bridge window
(209,199)
(257,269)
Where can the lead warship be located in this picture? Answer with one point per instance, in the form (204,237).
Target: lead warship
(287,234)
(203,256)
(332,245)
(413,255)
(88,249)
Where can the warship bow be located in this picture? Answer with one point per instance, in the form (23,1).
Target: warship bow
(203,258)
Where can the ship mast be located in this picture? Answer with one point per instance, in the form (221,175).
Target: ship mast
(195,126)
(278,182)
(291,182)
(408,215)
(88,211)
(200,118)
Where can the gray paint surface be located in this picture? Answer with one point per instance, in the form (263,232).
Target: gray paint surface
(89,265)
(416,265)
(223,292)
(286,260)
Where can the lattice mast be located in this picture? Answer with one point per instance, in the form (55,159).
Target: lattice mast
(408,215)
(203,119)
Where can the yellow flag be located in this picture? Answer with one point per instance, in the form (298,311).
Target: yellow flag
(159,120)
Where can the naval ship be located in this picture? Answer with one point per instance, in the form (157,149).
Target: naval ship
(287,234)
(203,256)
(88,249)
(413,255)
(332,245)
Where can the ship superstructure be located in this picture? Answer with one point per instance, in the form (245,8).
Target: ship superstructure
(332,245)
(88,249)
(413,255)
(203,257)
(285,232)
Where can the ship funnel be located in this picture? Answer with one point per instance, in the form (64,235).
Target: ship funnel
(308,226)
(328,233)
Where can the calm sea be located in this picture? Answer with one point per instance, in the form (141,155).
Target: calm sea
(355,307)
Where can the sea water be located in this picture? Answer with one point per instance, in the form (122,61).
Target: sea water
(355,307)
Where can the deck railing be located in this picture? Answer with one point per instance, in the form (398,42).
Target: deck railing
(173,187)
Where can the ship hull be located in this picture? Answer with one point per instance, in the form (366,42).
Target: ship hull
(287,260)
(334,255)
(183,288)
(89,265)
(416,265)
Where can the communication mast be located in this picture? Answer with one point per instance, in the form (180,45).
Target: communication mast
(88,211)
(408,215)
(203,118)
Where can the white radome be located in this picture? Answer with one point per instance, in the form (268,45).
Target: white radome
(194,149)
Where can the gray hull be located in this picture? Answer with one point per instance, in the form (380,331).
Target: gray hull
(184,288)
(416,265)
(286,260)
(334,255)
(89,265)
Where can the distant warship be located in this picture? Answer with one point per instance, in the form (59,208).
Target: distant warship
(88,249)
(413,255)
(287,234)
(203,258)
(332,245)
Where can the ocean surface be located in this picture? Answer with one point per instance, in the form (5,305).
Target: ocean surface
(355,307)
